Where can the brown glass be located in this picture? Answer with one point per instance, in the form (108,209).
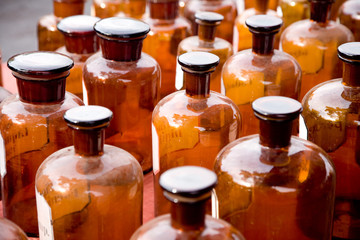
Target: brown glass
(32,127)
(275,186)
(335,9)
(207,42)
(111,8)
(331,114)
(94,191)
(49,38)
(253,4)
(227,8)
(294,10)
(313,43)
(168,29)
(349,17)
(10,231)
(126,81)
(190,127)
(257,72)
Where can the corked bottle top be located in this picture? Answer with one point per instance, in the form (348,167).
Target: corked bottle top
(88,116)
(78,25)
(209,18)
(182,184)
(266,24)
(349,52)
(198,61)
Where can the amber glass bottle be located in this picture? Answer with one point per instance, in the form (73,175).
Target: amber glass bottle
(10,231)
(206,42)
(313,43)
(273,185)
(273,4)
(126,81)
(349,15)
(191,126)
(187,188)
(80,43)
(112,8)
(167,31)
(331,115)
(32,128)
(89,190)
(242,36)
(335,9)
(260,71)
(227,8)
(294,10)
(49,38)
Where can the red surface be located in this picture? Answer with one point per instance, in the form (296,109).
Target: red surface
(9,83)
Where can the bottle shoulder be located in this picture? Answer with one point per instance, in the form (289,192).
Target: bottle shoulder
(47,20)
(220,47)
(214,5)
(165,26)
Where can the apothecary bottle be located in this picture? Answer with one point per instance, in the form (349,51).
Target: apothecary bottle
(260,71)
(187,189)
(167,29)
(206,41)
(49,38)
(126,81)
(294,10)
(227,8)
(313,43)
(89,190)
(273,185)
(349,16)
(273,4)
(32,128)
(242,36)
(331,116)
(191,126)
(112,8)
(80,43)
(10,231)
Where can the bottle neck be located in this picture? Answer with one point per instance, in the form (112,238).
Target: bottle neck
(275,134)
(320,11)
(197,85)
(351,73)
(82,44)
(261,5)
(164,10)
(117,50)
(263,43)
(63,9)
(188,216)
(89,142)
(206,34)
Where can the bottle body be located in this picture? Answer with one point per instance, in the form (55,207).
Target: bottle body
(130,89)
(247,76)
(272,4)
(101,195)
(280,188)
(10,231)
(294,10)
(314,45)
(349,17)
(190,131)
(111,8)
(49,38)
(27,143)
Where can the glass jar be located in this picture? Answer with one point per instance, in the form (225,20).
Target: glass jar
(49,38)
(167,30)
(206,42)
(32,128)
(126,81)
(187,188)
(313,43)
(80,43)
(331,116)
(273,4)
(242,36)
(89,190)
(349,16)
(227,8)
(260,71)
(294,10)
(273,185)
(10,231)
(191,126)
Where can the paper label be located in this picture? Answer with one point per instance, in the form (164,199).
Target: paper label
(46,231)
(303,132)
(179,79)
(2,157)
(155,149)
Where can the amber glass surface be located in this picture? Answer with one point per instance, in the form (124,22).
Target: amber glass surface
(167,30)
(273,185)
(187,189)
(260,71)
(227,8)
(331,114)
(242,36)
(252,4)
(10,231)
(127,82)
(32,128)
(93,191)
(206,42)
(349,15)
(49,38)
(294,10)
(335,9)
(313,43)
(191,126)
(111,8)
